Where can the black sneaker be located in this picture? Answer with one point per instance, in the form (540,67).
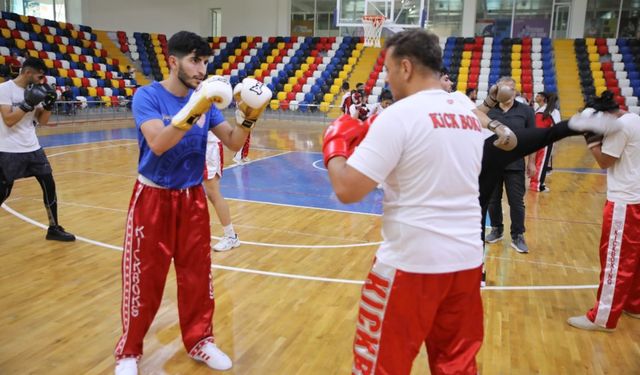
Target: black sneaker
(494,236)
(517,242)
(57,233)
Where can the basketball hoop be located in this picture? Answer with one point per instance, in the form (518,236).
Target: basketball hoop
(372,30)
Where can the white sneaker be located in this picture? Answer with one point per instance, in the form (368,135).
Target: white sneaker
(583,322)
(238,158)
(127,366)
(227,243)
(213,357)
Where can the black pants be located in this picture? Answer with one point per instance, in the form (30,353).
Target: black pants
(494,160)
(514,184)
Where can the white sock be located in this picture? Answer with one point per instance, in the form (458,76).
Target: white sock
(229,232)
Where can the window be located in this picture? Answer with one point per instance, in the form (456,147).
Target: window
(216,21)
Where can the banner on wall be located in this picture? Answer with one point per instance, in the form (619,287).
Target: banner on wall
(302,27)
(531,27)
(497,28)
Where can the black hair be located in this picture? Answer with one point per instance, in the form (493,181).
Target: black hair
(551,100)
(419,45)
(604,103)
(359,84)
(386,95)
(35,64)
(470,90)
(444,71)
(183,43)
(345,85)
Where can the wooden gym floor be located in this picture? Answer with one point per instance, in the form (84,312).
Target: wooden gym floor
(286,300)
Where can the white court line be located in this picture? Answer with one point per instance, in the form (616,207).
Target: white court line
(90,149)
(317,167)
(260,159)
(85,143)
(305,246)
(302,277)
(308,207)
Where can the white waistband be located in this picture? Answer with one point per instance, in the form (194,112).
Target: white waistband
(145,181)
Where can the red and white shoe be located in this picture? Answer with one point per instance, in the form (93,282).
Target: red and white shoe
(213,357)
(127,366)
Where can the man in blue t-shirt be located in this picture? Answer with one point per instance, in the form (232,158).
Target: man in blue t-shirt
(168,217)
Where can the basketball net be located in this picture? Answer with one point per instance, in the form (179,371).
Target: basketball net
(372,30)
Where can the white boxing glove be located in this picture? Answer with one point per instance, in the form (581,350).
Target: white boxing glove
(214,90)
(251,97)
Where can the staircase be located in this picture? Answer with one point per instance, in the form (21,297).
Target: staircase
(359,74)
(115,53)
(569,90)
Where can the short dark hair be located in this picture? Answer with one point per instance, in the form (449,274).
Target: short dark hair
(470,90)
(35,64)
(419,45)
(183,43)
(386,95)
(345,85)
(605,103)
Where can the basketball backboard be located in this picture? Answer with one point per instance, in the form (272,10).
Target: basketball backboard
(398,13)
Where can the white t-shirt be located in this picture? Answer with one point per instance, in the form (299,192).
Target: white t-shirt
(427,148)
(21,137)
(623,178)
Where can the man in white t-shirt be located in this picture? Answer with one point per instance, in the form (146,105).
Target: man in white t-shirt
(619,289)
(424,285)
(25,102)
(214,164)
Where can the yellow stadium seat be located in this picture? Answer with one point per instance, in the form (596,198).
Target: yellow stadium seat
(92,91)
(342,74)
(106,100)
(288,87)
(327,97)
(516,64)
(25,19)
(516,56)
(298,74)
(225,65)
(516,48)
(270,59)
(595,66)
(48,38)
(597,74)
(219,72)
(599,82)
(33,53)
(463,78)
(74,34)
(518,86)
(74,57)
(157,50)
(293,80)
(352,61)
(244,45)
(48,63)
(36,28)
(2,60)
(334,89)
(257,73)
(274,52)
(77,82)
(461,86)
(85,43)
(466,55)
(155,42)
(466,63)
(88,66)
(216,39)
(516,73)
(237,52)
(592,49)
(590,41)
(304,67)
(249,39)
(101,74)
(600,90)
(108,61)
(338,82)
(360,46)
(280,45)
(264,66)
(324,107)
(63,73)
(281,95)
(21,44)
(274,104)
(161,62)
(594,57)
(356,53)
(6,33)
(310,60)
(164,70)
(232,59)
(127,90)
(347,68)
(114,83)
(464,70)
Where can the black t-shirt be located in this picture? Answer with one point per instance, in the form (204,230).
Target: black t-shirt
(519,116)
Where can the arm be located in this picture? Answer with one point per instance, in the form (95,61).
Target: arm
(604,161)
(531,159)
(231,136)
(349,185)
(160,138)
(42,116)
(9,116)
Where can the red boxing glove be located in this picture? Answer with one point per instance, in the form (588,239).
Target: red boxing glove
(342,137)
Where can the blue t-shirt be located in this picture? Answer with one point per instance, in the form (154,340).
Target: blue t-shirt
(181,166)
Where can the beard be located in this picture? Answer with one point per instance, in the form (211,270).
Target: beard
(185,79)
